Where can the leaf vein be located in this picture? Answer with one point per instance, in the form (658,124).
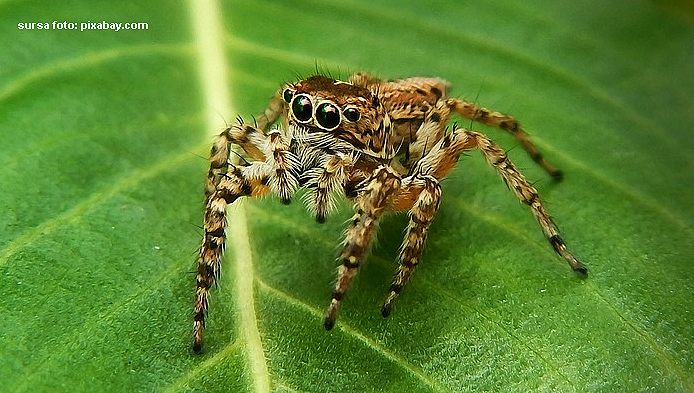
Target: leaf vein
(88,329)
(76,212)
(393,357)
(89,60)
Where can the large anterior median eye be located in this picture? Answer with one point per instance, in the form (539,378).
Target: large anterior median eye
(328,116)
(302,108)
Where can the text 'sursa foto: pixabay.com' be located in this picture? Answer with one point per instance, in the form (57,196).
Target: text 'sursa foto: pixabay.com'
(82,26)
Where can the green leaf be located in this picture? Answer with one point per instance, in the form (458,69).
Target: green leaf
(102,166)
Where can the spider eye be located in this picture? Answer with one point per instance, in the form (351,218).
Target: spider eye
(328,116)
(351,114)
(288,95)
(302,108)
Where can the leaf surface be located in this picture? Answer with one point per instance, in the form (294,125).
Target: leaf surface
(102,165)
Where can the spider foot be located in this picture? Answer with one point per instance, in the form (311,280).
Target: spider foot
(328,323)
(331,314)
(557,175)
(388,304)
(385,310)
(197,347)
(580,270)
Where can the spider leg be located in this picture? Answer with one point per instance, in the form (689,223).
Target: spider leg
(227,182)
(507,123)
(251,138)
(526,193)
(248,137)
(324,180)
(422,197)
(442,159)
(426,191)
(275,108)
(284,167)
(371,204)
(232,185)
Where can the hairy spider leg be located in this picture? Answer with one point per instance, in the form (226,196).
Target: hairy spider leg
(426,204)
(420,194)
(226,183)
(372,203)
(273,111)
(326,180)
(524,191)
(230,187)
(439,162)
(507,123)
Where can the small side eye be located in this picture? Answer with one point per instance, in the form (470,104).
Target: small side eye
(351,114)
(328,116)
(302,108)
(288,95)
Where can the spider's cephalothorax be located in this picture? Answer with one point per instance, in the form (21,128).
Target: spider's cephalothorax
(325,114)
(382,144)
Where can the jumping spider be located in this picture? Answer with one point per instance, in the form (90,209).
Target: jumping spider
(383,144)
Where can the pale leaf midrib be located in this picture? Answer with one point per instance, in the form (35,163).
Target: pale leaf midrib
(209,34)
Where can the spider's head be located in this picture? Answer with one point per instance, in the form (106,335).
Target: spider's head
(321,107)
